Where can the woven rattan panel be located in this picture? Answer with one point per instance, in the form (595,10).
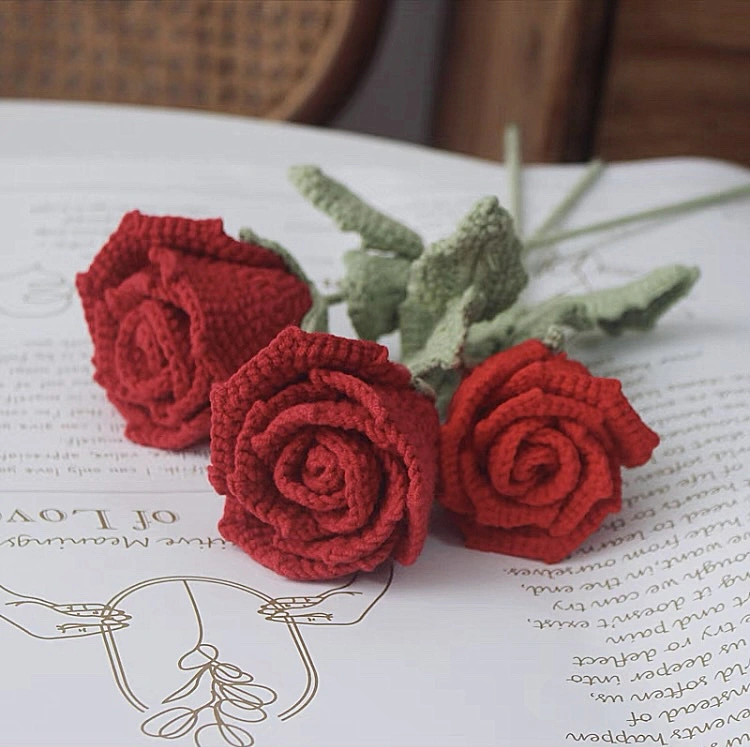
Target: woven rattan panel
(256,57)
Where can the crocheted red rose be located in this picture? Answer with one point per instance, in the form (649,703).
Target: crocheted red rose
(174,305)
(327,457)
(531,453)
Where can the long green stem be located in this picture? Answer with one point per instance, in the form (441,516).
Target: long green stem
(563,208)
(654,213)
(512,154)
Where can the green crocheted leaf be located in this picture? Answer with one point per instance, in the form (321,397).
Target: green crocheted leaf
(374,286)
(351,213)
(442,349)
(473,274)
(316,319)
(637,305)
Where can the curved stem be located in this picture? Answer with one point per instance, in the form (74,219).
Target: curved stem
(196,612)
(561,210)
(512,143)
(660,212)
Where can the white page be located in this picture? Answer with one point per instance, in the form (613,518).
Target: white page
(452,652)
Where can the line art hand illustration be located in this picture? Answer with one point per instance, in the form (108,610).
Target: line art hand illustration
(344,605)
(218,702)
(331,608)
(41,618)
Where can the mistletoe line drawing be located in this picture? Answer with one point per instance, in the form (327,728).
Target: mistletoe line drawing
(217,700)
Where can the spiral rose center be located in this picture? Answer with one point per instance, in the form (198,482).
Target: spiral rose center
(535,462)
(312,468)
(539,465)
(321,472)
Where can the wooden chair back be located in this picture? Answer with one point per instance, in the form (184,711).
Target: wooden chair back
(278,59)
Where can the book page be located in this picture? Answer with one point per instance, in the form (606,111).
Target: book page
(641,637)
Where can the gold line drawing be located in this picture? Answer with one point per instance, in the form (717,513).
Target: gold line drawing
(46,620)
(34,292)
(227,699)
(116,662)
(235,699)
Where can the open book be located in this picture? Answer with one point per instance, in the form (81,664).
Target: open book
(641,637)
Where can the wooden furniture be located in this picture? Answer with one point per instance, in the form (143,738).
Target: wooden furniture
(280,59)
(623,80)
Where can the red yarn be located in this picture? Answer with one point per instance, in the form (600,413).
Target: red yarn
(531,453)
(326,455)
(174,305)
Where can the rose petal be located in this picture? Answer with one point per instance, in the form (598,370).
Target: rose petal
(346,504)
(139,359)
(261,541)
(502,457)
(294,353)
(550,462)
(596,480)
(309,473)
(633,440)
(555,375)
(532,542)
(470,402)
(536,403)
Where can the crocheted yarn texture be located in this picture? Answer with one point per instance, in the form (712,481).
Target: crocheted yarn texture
(173,306)
(327,457)
(532,450)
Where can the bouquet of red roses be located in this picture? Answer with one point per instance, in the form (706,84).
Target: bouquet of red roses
(331,455)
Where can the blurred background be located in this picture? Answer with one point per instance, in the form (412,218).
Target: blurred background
(620,79)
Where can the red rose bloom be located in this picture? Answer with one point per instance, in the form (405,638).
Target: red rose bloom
(531,453)
(174,305)
(327,457)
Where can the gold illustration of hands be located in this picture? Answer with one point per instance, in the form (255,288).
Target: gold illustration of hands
(335,607)
(42,619)
(344,605)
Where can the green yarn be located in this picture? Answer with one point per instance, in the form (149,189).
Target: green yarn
(455,302)
(351,213)
(316,319)
(442,349)
(374,286)
(474,274)
(432,295)
(657,213)
(376,274)
(637,305)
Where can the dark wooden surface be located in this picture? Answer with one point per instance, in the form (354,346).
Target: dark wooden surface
(678,81)
(534,62)
(623,80)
